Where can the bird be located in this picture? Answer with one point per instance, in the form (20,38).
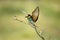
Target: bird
(34,17)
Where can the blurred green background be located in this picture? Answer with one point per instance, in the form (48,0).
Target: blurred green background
(49,19)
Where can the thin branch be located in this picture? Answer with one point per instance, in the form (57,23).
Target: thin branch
(19,20)
(38,32)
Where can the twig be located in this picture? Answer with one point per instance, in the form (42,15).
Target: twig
(38,32)
(19,20)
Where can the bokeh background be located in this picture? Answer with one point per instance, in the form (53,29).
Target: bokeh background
(49,19)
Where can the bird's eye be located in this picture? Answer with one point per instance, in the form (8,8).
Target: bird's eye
(28,16)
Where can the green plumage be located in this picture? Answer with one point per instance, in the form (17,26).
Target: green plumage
(30,20)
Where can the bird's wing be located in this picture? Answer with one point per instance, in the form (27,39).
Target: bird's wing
(35,14)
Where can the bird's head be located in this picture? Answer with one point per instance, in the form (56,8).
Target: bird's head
(28,16)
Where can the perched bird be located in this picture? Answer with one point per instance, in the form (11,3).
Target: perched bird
(34,17)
